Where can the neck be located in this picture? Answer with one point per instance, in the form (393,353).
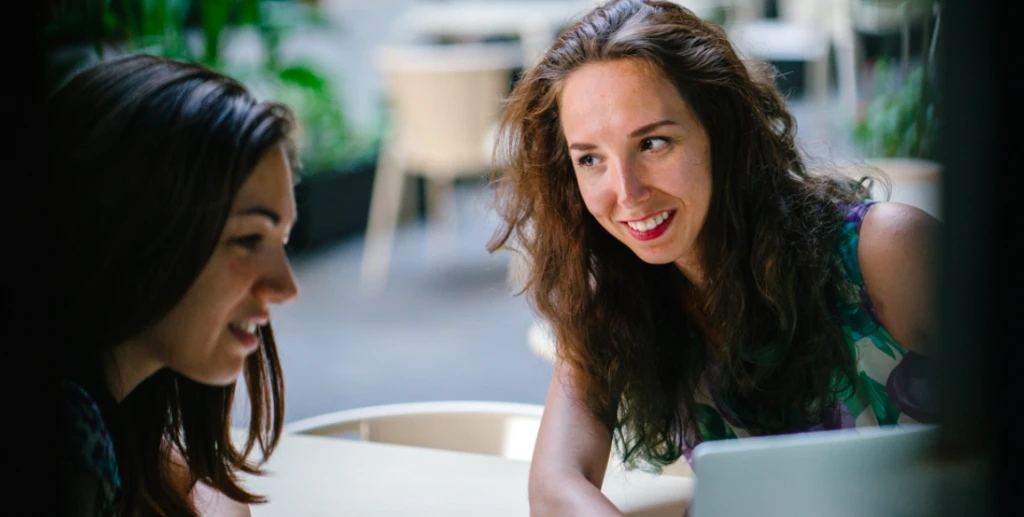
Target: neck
(692,269)
(693,299)
(126,367)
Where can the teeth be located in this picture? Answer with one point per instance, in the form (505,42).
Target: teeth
(650,223)
(249,327)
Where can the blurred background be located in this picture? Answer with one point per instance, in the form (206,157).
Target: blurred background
(398,99)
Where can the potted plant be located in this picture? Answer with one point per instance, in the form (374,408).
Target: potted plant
(900,120)
(896,130)
(337,163)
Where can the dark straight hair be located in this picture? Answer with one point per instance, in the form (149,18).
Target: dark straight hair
(149,154)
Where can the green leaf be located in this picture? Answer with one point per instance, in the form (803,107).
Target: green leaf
(215,15)
(885,413)
(305,77)
(131,18)
(249,12)
(896,122)
(856,404)
(883,346)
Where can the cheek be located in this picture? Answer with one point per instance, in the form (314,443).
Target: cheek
(235,278)
(185,333)
(701,174)
(598,199)
(693,184)
(217,291)
(702,189)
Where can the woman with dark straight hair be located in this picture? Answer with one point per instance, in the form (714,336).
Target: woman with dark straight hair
(174,208)
(702,283)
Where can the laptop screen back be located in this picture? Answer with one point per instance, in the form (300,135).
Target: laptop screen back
(876,472)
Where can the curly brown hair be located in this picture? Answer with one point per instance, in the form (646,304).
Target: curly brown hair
(636,334)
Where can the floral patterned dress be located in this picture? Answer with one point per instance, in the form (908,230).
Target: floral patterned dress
(88,446)
(891,385)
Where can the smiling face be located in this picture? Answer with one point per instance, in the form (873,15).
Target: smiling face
(641,158)
(216,325)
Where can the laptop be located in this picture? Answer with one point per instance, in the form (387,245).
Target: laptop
(864,472)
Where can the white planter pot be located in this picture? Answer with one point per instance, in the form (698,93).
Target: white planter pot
(915,182)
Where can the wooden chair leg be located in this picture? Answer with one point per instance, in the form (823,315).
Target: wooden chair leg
(385,205)
(817,80)
(846,68)
(844,37)
(441,217)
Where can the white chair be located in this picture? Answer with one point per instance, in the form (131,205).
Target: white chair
(496,428)
(444,101)
(888,16)
(882,17)
(536,23)
(915,182)
(804,32)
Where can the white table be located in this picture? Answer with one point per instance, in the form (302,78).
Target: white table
(316,476)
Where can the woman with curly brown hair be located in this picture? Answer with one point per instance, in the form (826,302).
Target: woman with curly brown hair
(701,282)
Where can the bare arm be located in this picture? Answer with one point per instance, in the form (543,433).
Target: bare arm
(570,457)
(897,259)
(211,502)
(208,501)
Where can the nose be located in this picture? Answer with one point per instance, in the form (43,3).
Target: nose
(629,186)
(278,284)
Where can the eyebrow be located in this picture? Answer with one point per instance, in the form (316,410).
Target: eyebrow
(260,210)
(647,128)
(652,126)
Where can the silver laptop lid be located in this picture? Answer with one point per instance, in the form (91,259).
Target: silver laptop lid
(875,472)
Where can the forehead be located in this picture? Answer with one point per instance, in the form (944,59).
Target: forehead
(619,93)
(270,182)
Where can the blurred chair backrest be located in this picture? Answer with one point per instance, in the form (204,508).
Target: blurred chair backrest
(735,10)
(495,428)
(888,16)
(444,100)
(815,13)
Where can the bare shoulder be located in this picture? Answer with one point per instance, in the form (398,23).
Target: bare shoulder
(893,223)
(896,251)
(895,237)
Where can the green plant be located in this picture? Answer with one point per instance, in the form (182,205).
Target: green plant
(164,27)
(326,140)
(901,118)
(900,121)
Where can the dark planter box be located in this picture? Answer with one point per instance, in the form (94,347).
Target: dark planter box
(332,205)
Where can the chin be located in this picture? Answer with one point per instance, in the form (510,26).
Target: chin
(225,381)
(218,378)
(228,379)
(654,259)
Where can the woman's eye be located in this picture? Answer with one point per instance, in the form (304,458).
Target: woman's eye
(653,143)
(249,242)
(587,160)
